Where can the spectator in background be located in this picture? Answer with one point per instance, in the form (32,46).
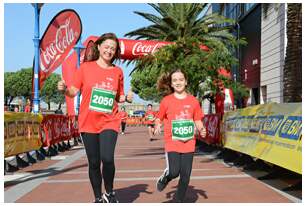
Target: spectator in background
(16,109)
(27,108)
(219,101)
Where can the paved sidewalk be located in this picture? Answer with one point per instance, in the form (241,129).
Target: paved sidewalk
(139,163)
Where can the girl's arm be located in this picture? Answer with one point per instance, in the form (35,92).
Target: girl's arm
(199,125)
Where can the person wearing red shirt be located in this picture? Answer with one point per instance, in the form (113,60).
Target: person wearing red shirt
(123,116)
(181,114)
(219,102)
(150,117)
(27,108)
(101,85)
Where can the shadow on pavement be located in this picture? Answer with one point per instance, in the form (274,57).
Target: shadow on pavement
(41,174)
(192,194)
(131,193)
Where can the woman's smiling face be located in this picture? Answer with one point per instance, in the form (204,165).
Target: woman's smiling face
(107,49)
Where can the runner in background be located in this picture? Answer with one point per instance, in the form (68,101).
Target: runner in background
(101,85)
(180,112)
(123,115)
(149,119)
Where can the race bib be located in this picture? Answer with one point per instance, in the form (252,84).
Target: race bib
(150,117)
(182,130)
(102,100)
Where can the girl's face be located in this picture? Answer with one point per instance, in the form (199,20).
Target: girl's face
(178,82)
(107,49)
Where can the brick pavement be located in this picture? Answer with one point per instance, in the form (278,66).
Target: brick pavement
(139,163)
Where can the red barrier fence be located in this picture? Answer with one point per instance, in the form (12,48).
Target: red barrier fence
(57,128)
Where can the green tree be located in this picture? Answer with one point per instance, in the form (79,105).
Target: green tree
(188,27)
(17,84)
(9,93)
(49,92)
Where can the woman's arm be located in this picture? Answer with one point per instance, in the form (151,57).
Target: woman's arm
(70,92)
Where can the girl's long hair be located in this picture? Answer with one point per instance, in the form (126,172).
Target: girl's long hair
(99,41)
(164,82)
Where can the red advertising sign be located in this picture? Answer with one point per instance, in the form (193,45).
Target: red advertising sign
(59,38)
(212,124)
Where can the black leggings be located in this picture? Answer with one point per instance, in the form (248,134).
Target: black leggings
(179,164)
(123,124)
(100,147)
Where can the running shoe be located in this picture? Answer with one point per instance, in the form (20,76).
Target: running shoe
(162,181)
(110,198)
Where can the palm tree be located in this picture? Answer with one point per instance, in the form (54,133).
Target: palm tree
(293,61)
(187,25)
(184,20)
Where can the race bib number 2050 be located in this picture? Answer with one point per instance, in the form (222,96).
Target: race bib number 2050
(182,130)
(102,100)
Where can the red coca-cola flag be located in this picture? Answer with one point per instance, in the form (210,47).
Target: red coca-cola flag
(62,33)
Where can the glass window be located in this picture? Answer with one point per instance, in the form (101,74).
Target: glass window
(248,7)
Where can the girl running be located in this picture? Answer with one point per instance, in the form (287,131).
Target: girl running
(180,112)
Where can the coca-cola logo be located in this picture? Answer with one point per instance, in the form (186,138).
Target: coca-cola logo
(142,49)
(65,36)
(61,35)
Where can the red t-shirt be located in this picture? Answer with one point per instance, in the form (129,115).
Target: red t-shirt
(27,108)
(149,117)
(123,116)
(90,75)
(172,108)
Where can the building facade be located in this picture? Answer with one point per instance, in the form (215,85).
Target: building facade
(261,61)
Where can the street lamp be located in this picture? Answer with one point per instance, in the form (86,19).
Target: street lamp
(36,41)
(78,48)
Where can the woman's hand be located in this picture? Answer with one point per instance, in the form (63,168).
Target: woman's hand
(129,96)
(61,86)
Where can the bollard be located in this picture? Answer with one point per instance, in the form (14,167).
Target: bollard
(40,156)
(20,162)
(9,167)
(30,158)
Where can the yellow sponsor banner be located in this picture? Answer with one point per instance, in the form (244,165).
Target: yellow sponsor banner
(21,132)
(271,132)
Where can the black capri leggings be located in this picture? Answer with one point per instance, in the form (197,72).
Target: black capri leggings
(179,164)
(100,147)
(123,124)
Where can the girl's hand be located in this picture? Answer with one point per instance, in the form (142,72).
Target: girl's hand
(203,132)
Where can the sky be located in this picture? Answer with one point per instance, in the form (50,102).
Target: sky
(97,18)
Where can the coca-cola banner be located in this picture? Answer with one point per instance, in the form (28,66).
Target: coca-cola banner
(61,35)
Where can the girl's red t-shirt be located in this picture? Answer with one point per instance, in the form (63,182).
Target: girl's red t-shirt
(90,75)
(149,117)
(172,108)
